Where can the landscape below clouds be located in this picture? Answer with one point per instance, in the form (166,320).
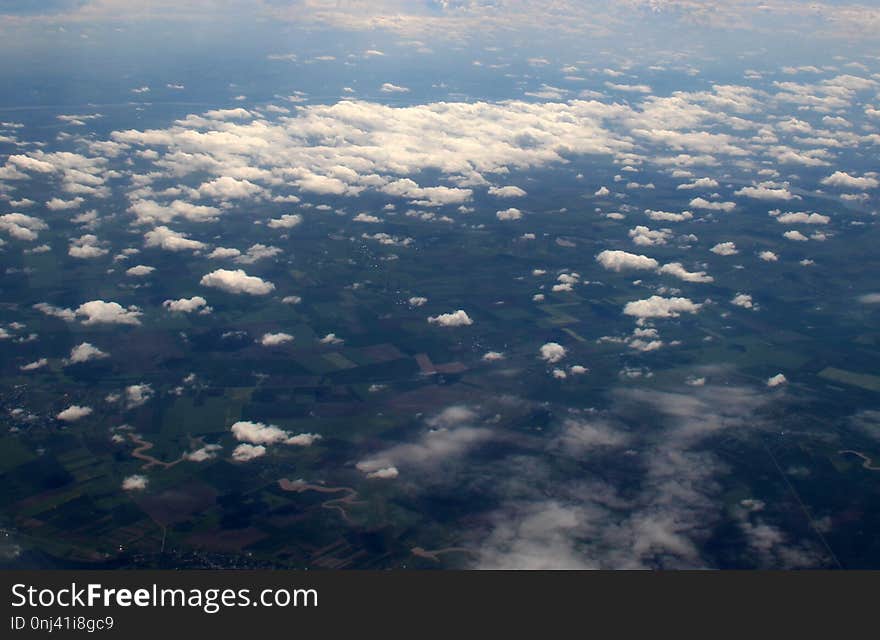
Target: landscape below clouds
(439,285)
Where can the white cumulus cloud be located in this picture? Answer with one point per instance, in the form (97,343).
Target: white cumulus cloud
(509,214)
(237,282)
(660,307)
(74,412)
(616,260)
(135,482)
(170,240)
(287,221)
(846,181)
(552,352)
(100,312)
(677,270)
(724,249)
(275,339)
(245,452)
(186,305)
(777,380)
(455,319)
(85,352)
(139,271)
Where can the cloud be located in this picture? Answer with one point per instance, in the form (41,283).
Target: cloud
(528,535)
(77,120)
(426,196)
(393,88)
(616,260)
(417,301)
(701,183)
(797,236)
(431,449)
(552,352)
(287,221)
(255,253)
(100,312)
(36,364)
(386,473)
(566,281)
(492,356)
(222,253)
(724,249)
(68,315)
(150,212)
(135,483)
(137,395)
(509,214)
(659,516)
(73,413)
(84,353)
(455,319)
(548,92)
(325,185)
(27,163)
(237,282)
(846,181)
(768,256)
(660,307)
(386,239)
(21,226)
(643,236)
(165,238)
(237,113)
(246,452)
(702,203)
(342,148)
(450,437)
(811,158)
(507,192)
(303,439)
(275,339)
(777,380)
(802,218)
(139,271)
(677,270)
(581,435)
(453,416)
(743,300)
(186,305)
(629,88)
(417,25)
(203,454)
(258,433)
(228,188)
(57,204)
(766,192)
(870,298)
(86,247)
(668,216)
